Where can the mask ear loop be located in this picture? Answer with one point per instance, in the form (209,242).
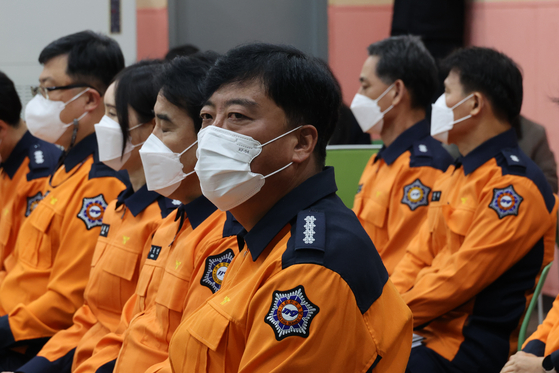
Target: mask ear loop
(280,136)
(184,151)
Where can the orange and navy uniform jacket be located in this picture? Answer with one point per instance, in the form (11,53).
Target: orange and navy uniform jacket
(23,179)
(128,227)
(51,261)
(545,340)
(174,230)
(470,273)
(307,292)
(194,272)
(393,195)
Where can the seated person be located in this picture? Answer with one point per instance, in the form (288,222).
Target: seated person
(470,273)
(49,267)
(25,165)
(128,224)
(397,82)
(308,280)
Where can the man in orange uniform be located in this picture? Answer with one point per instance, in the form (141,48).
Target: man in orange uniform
(470,272)
(25,164)
(398,81)
(308,291)
(49,268)
(541,349)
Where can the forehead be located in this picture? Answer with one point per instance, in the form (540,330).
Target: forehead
(164,106)
(453,80)
(110,95)
(370,67)
(54,71)
(251,91)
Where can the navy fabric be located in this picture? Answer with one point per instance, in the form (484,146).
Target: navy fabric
(555,359)
(197,211)
(138,201)
(6,335)
(535,347)
(231,227)
(39,364)
(425,360)
(107,368)
(26,147)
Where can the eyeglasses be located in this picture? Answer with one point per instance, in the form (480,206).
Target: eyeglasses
(44,91)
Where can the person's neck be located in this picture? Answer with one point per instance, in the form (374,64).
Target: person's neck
(485,130)
(10,141)
(249,213)
(137,178)
(401,122)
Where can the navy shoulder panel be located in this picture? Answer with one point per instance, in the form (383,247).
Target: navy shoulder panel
(513,161)
(43,159)
(430,153)
(329,234)
(167,206)
(99,169)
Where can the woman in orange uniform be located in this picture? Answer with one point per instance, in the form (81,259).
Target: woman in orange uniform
(128,224)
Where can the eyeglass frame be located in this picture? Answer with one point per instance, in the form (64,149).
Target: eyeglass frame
(37,89)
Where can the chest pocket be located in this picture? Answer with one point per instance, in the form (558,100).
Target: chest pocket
(172,292)
(458,222)
(113,276)
(5,228)
(36,245)
(208,332)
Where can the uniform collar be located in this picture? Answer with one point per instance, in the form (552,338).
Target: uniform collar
(17,156)
(138,201)
(81,151)
(309,192)
(489,149)
(404,142)
(197,211)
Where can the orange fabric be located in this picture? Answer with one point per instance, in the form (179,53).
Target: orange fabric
(229,333)
(390,223)
(117,260)
(53,253)
(182,290)
(548,331)
(167,238)
(465,246)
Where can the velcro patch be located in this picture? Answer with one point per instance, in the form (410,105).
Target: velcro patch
(32,202)
(416,194)
(92,211)
(291,313)
(506,201)
(104,230)
(216,266)
(154,252)
(436,196)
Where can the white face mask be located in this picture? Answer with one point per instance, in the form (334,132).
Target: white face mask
(43,117)
(442,118)
(223,166)
(162,167)
(110,139)
(368,113)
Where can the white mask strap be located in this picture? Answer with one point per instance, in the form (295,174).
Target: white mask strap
(76,96)
(188,174)
(461,119)
(281,169)
(280,136)
(384,93)
(461,102)
(133,128)
(185,150)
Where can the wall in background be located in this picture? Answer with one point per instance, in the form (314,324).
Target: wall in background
(152,28)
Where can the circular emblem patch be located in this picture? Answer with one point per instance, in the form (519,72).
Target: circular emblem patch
(416,194)
(505,201)
(216,267)
(92,211)
(291,313)
(32,202)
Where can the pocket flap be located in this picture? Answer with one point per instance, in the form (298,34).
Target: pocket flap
(121,263)
(375,213)
(458,220)
(209,329)
(41,218)
(172,292)
(144,279)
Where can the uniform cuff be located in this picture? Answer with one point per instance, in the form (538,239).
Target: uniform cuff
(6,335)
(535,347)
(107,368)
(43,365)
(555,359)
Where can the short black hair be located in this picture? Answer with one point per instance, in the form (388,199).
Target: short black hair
(302,86)
(93,58)
(182,82)
(492,73)
(406,58)
(181,51)
(137,87)
(10,104)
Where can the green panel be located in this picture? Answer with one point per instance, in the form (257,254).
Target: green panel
(349,162)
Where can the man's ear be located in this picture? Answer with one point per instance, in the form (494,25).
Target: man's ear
(3,129)
(478,104)
(399,90)
(94,100)
(307,137)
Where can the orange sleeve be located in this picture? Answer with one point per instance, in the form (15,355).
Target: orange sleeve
(53,310)
(551,322)
(490,247)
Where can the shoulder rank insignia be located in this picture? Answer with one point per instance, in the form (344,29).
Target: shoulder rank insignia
(416,194)
(291,313)
(92,211)
(32,202)
(505,201)
(216,266)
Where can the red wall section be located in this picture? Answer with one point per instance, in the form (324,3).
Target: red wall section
(152,32)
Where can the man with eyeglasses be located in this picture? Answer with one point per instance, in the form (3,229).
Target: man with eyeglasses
(49,268)
(25,163)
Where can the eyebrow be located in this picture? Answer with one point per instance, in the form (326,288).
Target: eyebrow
(163,117)
(110,105)
(43,80)
(242,102)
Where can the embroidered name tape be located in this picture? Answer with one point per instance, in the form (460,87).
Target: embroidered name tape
(154,252)
(104,230)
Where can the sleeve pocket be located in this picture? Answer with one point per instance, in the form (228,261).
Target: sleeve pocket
(122,263)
